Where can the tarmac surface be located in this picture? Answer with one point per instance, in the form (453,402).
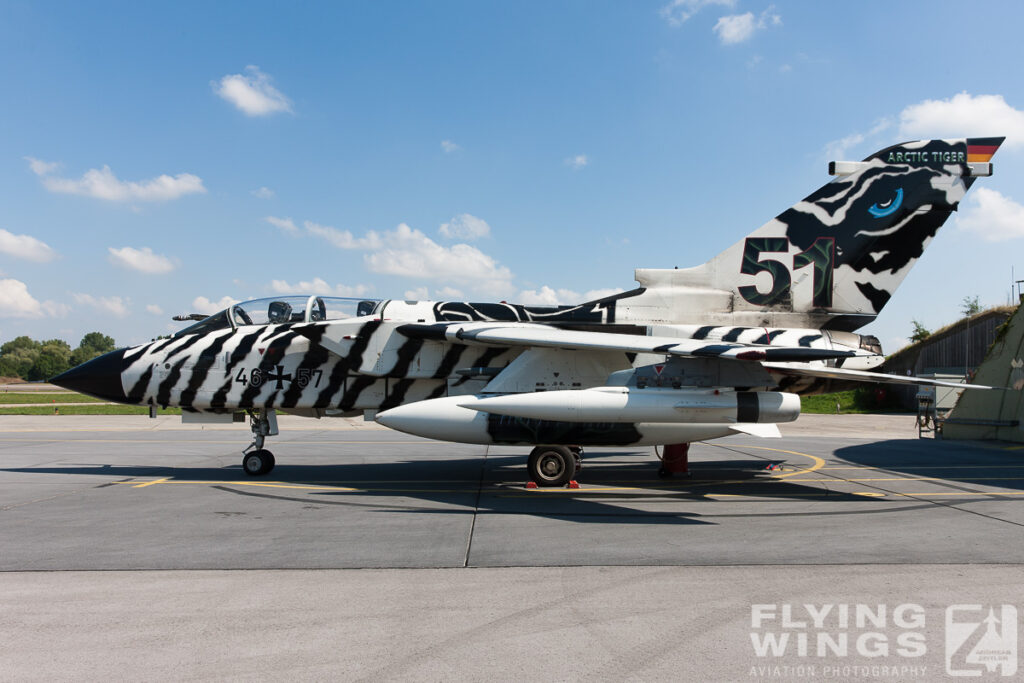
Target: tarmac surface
(132,546)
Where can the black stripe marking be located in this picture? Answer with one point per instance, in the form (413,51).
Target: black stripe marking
(451,357)
(160,346)
(734,334)
(242,350)
(809,339)
(138,391)
(397,394)
(747,406)
(201,369)
(334,384)
(315,357)
(768,337)
(163,393)
(192,339)
(439,391)
(406,353)
(273,353)
(703,332)
(131,358)
(353,388)
(483,361)
(877,297)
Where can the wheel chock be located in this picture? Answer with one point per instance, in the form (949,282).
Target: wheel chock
(573,484)
(531,484)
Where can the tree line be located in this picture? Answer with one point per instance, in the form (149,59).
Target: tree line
(33,360)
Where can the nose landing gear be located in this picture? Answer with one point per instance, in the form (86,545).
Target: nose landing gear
(256,460)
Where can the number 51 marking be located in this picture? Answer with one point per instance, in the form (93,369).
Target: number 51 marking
(821,254)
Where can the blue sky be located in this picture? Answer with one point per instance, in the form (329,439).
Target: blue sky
(160,158)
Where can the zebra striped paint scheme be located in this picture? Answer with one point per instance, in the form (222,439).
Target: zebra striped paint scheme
(288,366)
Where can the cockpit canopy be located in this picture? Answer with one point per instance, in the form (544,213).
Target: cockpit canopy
(285,309)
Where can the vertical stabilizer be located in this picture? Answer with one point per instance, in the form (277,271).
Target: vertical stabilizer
(841,252)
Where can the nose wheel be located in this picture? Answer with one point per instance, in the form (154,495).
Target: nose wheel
(256,460)
(257,463)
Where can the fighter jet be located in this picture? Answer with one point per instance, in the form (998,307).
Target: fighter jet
(691,354)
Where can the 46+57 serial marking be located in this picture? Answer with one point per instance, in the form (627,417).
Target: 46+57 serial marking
(257,376)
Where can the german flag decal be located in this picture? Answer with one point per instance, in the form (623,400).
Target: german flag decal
(982,149)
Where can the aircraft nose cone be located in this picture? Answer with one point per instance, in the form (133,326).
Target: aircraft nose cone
(99,377)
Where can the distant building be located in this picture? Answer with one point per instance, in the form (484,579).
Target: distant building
(995,414)
(951,353)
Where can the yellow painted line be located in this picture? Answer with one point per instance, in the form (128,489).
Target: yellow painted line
(150,483)
(834,479)
(818,462)
(945,494)
(282,485)
(276,485)
(928,467)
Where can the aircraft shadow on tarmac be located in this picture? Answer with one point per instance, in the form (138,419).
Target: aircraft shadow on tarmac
(618,488)
(959,461)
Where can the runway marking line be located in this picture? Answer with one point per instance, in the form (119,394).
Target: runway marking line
(914,479)
(150,483)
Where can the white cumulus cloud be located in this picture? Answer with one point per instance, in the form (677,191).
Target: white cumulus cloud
(837,150)
(410,253)
(547,296)
(964,115)
(16,302)
(738,28)
(114,305)
(449,293)
(418,294)
(142,260)
(318,286)
(40,167)
(343,239)
(154,309)
(448,146)
(577,162)
(991,215)
(465,226)
(262,193)
(284,224)
(252,93)
(678,12)
(203,305)
(25,247)
(103,184)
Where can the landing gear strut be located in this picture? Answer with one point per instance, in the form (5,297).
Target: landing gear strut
(256,460)
(675,460)
(554,465)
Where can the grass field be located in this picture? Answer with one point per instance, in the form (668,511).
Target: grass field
(853,401)
(85,409)
(40,397)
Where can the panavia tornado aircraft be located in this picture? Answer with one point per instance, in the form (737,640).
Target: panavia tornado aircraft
(691,354)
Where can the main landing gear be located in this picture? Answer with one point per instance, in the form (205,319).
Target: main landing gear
(256,460)
(554,465)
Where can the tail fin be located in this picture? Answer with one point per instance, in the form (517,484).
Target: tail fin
(844,250)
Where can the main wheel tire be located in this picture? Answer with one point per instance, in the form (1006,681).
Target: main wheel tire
(258,463)
(551,465)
